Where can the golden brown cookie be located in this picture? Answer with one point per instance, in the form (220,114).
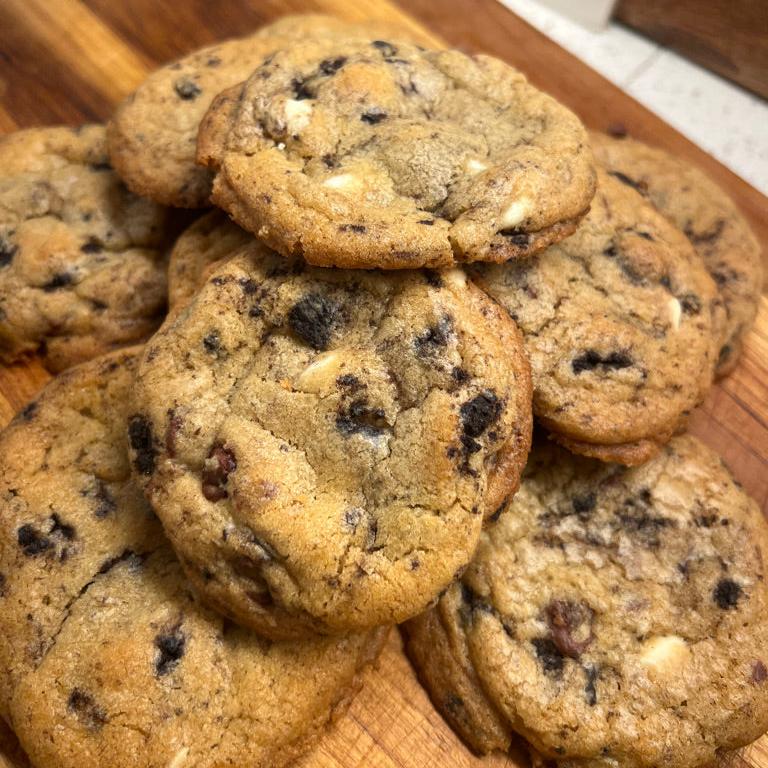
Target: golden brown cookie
(377,153)
(82,260)
(710,219)
(620,322)
(321,445)
(106,655)
(612,616)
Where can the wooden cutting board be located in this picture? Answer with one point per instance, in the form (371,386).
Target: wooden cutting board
(69,61)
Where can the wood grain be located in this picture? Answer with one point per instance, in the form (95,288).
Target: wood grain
(729,37)
(71,60)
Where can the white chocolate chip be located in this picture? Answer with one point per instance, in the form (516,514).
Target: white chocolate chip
(455,277)
(281,146)
(325,367)
(342,181)
(674,312)
(297,114)
(664,653)
(179,758)
(474,166)
(515,213)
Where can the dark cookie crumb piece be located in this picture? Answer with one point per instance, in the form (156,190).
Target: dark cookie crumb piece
(81,704)
(584,505)
(516,237)
(221,464)
(61,280)
(350,382)
(31,541)
(357,228)
(592,359)
(142,442)
(27,413)
(434,337)
(570,625)
(313,319)
(479,413)
(433,278)
(331,66)
(358,418)
(548,655)
(7,251)
(187,89)
(373,116)
(639,186)
(460,376)
(727,594)
(170,650)
(92,245)
(387,49)
(590,689)
(212,344)
(690,303)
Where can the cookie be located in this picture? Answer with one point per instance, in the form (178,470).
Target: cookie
(710,219)
(322,446)
(612,616)
(82,260)
(106,656)
(211,238)
(620,322)
(377,153)
(153,132)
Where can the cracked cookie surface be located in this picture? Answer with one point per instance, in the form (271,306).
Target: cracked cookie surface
(211,238)
(382,414)
(377,153)
(620,321)
(82,260)
(709,218)
(106,657)
(612,616)
(153,133)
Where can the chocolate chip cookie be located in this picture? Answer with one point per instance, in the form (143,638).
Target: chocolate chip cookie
(322,446)
(378,153)
(710,219)
(612,616)
(82,260)
(152,134)
(620,322)
(106,656)
(211,238)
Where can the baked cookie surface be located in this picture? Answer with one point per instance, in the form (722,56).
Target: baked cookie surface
(710,219)
(153,133)
(82,260)
(382,414)
(106,657)
(620,322)
(211,238)
(611,616)
(371,153)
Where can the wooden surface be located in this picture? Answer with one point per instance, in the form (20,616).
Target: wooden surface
(729,37)
(72,60)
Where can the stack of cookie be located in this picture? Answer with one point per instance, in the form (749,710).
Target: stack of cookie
(414,253)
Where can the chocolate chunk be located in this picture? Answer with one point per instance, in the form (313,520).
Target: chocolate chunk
(358,418)
(31,541)
(331,66)
(479,413)
(217,471)
(516,237)
(58,281)
(350,381)
(460,376)
(7,251)
(433,278)
(373,116)
(300,90)
(212,344)
(186,88)
(640,186)
(170,650)
(727,593)
(592,359)
(142,442)
(570,625)
(549,656)
(583,505)
(590,691)
(92,245)
(759,672)
(690,303)
(313,319)
(434,337)
(387,49)
(81,704)
(357,228)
